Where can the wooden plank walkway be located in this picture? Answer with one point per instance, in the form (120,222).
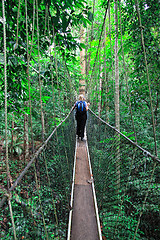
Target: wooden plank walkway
(84,223)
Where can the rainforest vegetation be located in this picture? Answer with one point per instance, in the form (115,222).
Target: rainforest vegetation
(52,50)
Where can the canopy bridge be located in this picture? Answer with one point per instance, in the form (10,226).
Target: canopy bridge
(106,187)
(116,182)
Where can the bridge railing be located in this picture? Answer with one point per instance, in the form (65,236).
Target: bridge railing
(127,183)
(39,198)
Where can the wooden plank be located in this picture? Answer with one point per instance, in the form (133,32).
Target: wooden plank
(84,224)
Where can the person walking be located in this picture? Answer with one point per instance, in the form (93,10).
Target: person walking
(81,116)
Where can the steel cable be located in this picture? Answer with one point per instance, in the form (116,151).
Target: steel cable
(128,197)
(41,200)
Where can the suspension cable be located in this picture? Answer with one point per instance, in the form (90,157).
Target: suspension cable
(56,65)
(6,128)
(87,32)
(42,122)
(32,29)
(153,121)
(133,179)
(28,60)
(105,15)
(54,117)
(5,82)
(33,158)
(53,95)
(40,202)
(93,9)
(70,81)
(51,59)
(146,153)
(145,199)
(12,219)
(39,69)
(126,76)
(110,38)
(16,45)
(28,77)
(53,200)
(147,72)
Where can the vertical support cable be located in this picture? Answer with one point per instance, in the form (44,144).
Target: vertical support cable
(147,72)
(145,199)
(53,200)
(125,74)
(11,213)
(94,195)
(5,91)
(32,29)
(72,196)
(100,38)
(70,83)
(16,45)
(56,64)
(110,38)
(6,136)
(30,106)
(40,202)
(53,95)
(116,97)
(39,76)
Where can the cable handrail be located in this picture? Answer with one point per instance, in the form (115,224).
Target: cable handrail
(146,153)
(123,172)
(72,196)
(94,195)
(34,156)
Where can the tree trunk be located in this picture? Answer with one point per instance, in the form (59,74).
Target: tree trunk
(12,138)
(100,87)
(109,15)
(82,62)
(86,57)
(117,115)
(89,55)
(26,142)
(105,77)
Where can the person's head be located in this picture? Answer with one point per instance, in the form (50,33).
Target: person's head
(81,97)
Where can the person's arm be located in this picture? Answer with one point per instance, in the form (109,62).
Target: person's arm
(74,106)
(87,104)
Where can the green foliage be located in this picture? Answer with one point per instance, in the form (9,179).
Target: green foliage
(59,59)
(47,196)
(126,184)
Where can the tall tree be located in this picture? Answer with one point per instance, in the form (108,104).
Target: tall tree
(82,62)
(117,114)
(100,86)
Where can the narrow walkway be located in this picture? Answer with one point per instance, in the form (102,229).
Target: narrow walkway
(84,224)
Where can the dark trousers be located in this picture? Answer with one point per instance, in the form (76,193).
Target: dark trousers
(81,122)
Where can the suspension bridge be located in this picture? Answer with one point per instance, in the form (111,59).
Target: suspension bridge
(105,187)
(100,188)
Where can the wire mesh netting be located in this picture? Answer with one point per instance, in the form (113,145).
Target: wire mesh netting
(127,184)
(40,203)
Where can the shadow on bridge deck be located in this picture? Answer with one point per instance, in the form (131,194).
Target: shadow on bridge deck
(84,223)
